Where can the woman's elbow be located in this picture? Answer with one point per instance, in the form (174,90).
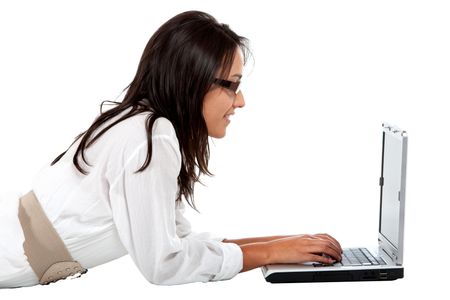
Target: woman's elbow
(164,275)
(158,278)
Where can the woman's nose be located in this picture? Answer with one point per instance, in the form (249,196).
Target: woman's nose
(239,101)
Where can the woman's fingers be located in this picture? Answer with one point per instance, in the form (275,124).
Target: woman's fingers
(322,243)
(329,237)
(325,247)
(334,244)
(320,258)
(320,248)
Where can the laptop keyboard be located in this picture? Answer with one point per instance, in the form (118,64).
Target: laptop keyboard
(356,257)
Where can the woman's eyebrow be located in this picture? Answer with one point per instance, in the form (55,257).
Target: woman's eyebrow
(239,76)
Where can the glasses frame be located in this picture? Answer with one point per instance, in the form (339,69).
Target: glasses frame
(230,85)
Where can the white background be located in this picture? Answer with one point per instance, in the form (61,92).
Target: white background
(302,156)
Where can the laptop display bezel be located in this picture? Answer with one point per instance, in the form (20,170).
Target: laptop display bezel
(395,252)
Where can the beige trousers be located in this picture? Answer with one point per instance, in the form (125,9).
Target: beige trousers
(45,250)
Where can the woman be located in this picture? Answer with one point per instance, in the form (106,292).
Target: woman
(140,159)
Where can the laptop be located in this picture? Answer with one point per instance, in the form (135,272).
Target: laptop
(385,262)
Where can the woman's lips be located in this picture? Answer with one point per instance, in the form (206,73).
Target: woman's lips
(228,117)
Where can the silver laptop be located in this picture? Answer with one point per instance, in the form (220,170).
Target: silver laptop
(382,263)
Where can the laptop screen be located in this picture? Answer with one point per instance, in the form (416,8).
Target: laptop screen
(391,186)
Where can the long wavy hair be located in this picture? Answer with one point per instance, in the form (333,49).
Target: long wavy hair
(176,70)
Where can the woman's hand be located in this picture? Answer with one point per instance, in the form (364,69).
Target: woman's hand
(289,249)
(304,248)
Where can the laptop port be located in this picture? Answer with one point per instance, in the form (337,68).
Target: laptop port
(369,275)
(383,275)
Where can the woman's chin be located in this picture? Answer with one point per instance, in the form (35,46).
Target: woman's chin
(218,135)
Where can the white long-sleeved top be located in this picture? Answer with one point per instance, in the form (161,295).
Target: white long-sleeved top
(112,211)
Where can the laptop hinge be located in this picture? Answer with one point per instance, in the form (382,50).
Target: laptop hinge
(390,252)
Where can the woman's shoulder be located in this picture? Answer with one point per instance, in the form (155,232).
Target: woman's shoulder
(163,127)
(135,127)
(125,137)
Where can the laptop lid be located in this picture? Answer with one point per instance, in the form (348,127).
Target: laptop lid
(392,194)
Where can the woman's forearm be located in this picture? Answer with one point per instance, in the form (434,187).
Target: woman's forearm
(255,250)
(255,239)
(255,255)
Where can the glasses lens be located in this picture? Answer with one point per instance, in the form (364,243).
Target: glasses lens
(238,88)
(231,85)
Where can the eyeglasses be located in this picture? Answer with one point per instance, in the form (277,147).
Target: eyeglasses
(231,85)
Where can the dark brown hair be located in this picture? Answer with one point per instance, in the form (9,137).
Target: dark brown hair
(176,70)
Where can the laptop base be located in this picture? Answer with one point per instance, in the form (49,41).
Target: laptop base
(341,275)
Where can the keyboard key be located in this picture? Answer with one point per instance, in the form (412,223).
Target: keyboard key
(355,257)
(359,257)
(380,261)
(344,259)
(369,255)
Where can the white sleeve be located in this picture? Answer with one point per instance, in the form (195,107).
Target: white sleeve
(143,208)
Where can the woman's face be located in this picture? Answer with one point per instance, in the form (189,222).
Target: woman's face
(219,103)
